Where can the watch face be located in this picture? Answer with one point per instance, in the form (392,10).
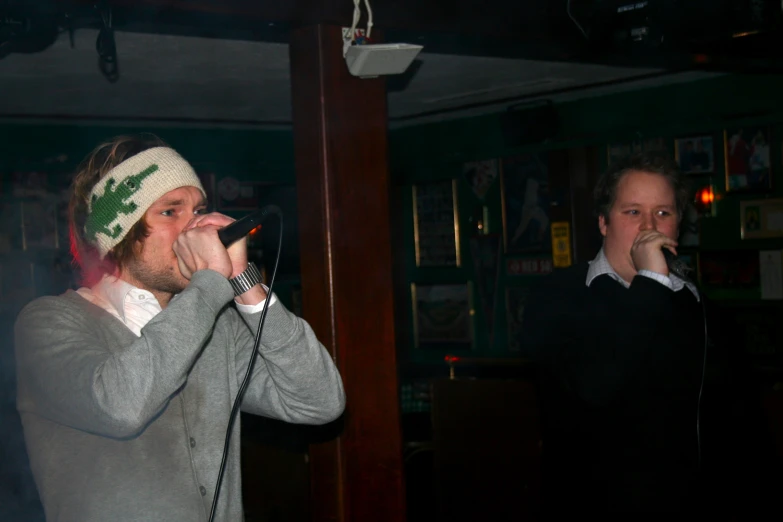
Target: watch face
(228,188)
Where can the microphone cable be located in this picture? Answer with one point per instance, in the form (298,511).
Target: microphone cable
(248,373)
(680,269)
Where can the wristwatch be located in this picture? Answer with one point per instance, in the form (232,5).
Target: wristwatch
(246,280)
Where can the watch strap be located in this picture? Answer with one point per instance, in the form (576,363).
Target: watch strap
(249,278)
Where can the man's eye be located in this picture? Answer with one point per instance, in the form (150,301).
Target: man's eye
(169,212)
(633,212)
(201,211)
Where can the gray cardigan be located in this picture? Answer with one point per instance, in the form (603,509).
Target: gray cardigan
(123,428)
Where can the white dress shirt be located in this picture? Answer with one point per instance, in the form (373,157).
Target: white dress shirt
(600,266)
(135,307)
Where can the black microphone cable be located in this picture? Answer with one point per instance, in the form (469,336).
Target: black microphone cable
(250,365)
(680,269)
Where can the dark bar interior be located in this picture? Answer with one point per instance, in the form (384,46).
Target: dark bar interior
(546,256)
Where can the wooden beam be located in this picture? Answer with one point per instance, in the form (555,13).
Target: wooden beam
(528,20)
(341,148)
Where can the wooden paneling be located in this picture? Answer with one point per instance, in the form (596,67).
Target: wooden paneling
(340,141)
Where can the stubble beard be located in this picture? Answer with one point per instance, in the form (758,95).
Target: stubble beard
(157,279)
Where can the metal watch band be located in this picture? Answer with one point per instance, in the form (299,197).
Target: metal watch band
(246,280)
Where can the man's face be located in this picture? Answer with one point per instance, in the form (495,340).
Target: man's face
(155,267)
(643,201)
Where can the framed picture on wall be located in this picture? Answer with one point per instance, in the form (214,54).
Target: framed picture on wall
(746,152)
(761,218)
(480,176)
(436,224)
(525,186)
(442,316)
(732,269)
(695,154)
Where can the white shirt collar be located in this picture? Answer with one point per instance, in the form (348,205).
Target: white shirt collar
(600,266)
(118,292)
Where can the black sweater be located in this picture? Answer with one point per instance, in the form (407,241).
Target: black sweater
(620,374)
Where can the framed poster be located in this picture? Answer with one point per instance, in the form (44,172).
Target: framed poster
(436,224)
(761,218)
(695,154)
(480,176)
(525,186)
(729,269)
(442,316)
(746,152)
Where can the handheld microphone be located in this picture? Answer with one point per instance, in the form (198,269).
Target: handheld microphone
(242,227)
(676,266)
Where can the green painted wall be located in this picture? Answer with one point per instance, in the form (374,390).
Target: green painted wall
(252,155)
(437,150)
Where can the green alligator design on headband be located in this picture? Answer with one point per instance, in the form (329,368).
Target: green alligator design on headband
(107,207)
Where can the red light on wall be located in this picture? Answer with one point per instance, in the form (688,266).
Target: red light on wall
(705,197)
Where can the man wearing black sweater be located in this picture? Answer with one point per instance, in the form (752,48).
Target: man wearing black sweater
(620,344)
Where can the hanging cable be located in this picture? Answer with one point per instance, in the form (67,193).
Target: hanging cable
(369,19)
(349,38)
(573,19)
(357,14)
(248,374)
(105,44)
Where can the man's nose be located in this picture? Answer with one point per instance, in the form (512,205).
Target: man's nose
(648,223)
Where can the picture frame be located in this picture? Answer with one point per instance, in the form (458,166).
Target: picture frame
(525,203)
(747,159)
(480,176)
(695,154)
(761,218)
(729,269)
(443,316)
(436,224)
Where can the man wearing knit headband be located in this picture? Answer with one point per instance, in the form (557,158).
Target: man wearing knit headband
(125,386)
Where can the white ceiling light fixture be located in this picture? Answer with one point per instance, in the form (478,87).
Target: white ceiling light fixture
(368,60)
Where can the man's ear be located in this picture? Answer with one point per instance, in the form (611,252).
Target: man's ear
(602,224)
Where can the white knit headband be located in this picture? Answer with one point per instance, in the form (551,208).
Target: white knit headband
(123,195)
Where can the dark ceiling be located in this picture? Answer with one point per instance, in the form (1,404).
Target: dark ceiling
(226,61)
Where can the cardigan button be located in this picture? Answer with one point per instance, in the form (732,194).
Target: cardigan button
(192,442)
(203,491)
